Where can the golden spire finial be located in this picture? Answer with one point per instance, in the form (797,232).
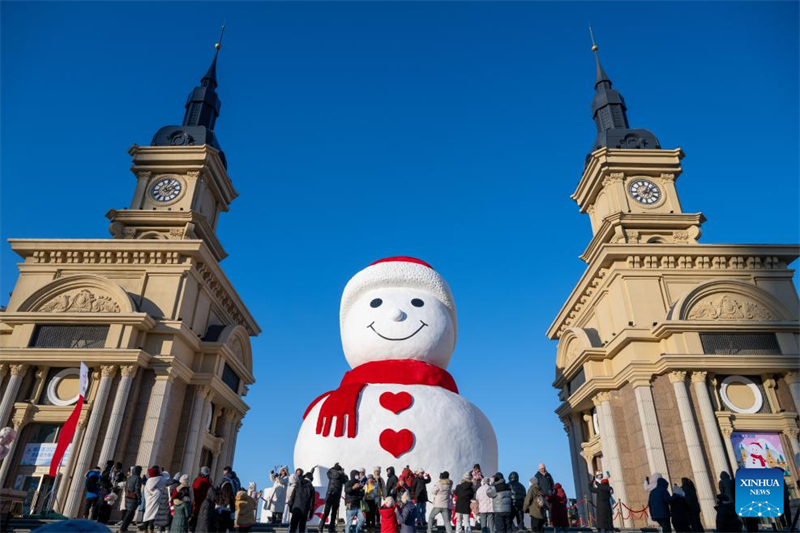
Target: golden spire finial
(595,48)
(218,44)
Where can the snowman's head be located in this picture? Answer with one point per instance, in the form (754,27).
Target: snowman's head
(755,448)
(398,308)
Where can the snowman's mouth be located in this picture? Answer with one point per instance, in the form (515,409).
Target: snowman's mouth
(402,339)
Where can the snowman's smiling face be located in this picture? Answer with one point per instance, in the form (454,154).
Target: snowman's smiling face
(398,323)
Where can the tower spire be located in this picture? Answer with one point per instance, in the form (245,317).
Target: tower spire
(202,109)
(610,114)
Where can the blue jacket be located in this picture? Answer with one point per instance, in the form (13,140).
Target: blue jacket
(92,484)
(659,500)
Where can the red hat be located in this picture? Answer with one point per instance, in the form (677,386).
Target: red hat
(399,271)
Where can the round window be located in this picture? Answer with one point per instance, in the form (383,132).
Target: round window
(64,387)
(741,395)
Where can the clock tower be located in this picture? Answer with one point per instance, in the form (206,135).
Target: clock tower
(182,179)
(673,355)
(152,314)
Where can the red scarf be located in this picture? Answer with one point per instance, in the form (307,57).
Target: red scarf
(759,458)
(344,400)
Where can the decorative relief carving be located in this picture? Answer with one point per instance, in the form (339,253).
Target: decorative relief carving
(108,257)
(613,177)
(681,237)
(108,371)
(667,177)
(84,301)
(729,308)
(601,397)
(699,377)
(792,377)
(128,370)
(691,262)
(237,348)
(677,376)
(19,370)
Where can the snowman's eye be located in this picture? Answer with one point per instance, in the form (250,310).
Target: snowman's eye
(376,302)
(416,302)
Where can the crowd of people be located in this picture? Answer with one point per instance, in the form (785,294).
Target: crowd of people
(154,501)
(398,502)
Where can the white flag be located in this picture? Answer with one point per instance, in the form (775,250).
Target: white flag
(84,379)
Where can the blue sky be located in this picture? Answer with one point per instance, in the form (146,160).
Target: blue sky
(454,132)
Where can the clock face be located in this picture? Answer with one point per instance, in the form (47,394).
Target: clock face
(645,192)
(165,190)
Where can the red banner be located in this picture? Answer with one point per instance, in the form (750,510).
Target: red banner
(68,430)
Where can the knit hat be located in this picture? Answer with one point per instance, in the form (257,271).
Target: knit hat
(205,471)
(398,272)
(444,475)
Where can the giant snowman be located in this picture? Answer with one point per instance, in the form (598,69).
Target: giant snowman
(398,405)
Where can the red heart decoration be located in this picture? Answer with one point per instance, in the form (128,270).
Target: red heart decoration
(396,402)
(396,442)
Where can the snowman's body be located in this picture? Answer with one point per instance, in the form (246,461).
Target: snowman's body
(449,434)
(398,325)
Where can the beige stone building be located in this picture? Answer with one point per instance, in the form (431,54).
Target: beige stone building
(150,311)
(673,356)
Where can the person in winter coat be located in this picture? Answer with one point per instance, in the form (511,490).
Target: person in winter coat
(651,482)
(105,506)
(370,490)
(603,491)
(419,493)
(464,495)
(727,486)
(156,499)
(406,513)
(336,480)
(182,506)
(533,504)
(302,503)
(502,507)
(92,488)
(226,505)
(546,484)
(679,509)
(202,483)
(658,504)
(229,476)
(518,493)
(441,492)
(485,509)
(275,500)
(292,483)
(388,511)
(558,508)
(391,483)
(726,515)
(207,516)
(245,511)
(353,496)
(693,501)
(408,477)
(133,497)
(380,491)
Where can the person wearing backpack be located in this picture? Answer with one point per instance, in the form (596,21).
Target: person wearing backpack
(92,486)
(518,494)
(464,494)
(534,503)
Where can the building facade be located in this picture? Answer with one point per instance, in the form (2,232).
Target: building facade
(673,357)
(150,311)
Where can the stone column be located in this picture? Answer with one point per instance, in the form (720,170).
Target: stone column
(608,439)
(793,380)
(726,439)
(226,430)
(72,505)
(10,394)
(117,413)
(572,427)
(236,425)
(651,432)
(716,449)
(154,420)
(191,453)
(704,491)
(68,470)
(9,459)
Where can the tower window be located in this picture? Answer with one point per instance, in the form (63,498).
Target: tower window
(68,336)
(230,378)
(577,381)
(740,343)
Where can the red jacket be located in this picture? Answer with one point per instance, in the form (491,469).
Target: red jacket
(199,491)
(388,520)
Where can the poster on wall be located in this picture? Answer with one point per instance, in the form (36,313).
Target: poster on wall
(759,450)
(41,454)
